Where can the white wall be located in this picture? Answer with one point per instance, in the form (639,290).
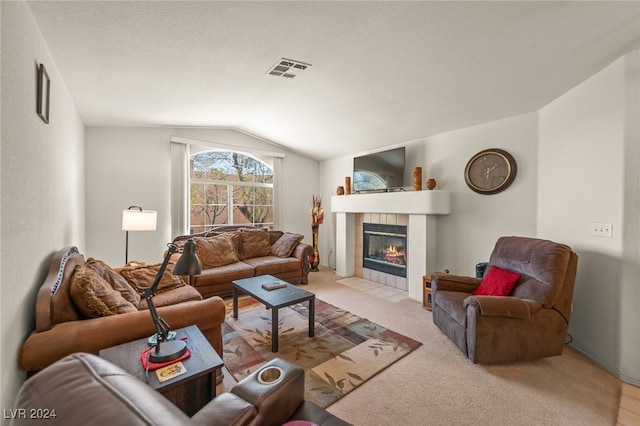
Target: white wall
(577,164)
(41,183)
(588,152)
(468,235)
(131,166)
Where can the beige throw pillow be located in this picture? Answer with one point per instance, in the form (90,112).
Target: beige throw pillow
(94,297)
(285,245)
(114,279)
(216,251)
(255,243)
(141,277)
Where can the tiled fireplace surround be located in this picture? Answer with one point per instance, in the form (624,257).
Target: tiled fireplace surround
(419,209)
(370,274)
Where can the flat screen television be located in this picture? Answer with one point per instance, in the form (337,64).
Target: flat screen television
(380,171)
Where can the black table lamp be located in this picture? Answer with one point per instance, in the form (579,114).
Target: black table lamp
(188,264)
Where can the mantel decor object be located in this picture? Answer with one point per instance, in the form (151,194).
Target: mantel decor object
(431,184)
(417,179)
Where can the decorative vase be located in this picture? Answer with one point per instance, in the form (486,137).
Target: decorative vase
(431,183)
(340,190)
(417,179)
(314,258)
(347,185)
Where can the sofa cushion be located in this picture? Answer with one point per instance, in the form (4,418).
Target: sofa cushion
(224,274)
(216,251)
(497,282)
(284,245)
(141,277)
(114,279)
(273,265)
(94,297)
(254,243)
(177,295)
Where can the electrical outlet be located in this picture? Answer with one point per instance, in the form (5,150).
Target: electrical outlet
(602,229)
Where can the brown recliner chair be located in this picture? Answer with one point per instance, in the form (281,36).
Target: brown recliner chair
(531,322)
(83,389)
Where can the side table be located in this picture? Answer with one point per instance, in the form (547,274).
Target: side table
(189,391)
(426,291)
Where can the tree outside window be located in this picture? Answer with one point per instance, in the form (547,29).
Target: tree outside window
(228,187)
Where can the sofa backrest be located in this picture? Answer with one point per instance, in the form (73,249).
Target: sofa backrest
(53,303)
(547,270)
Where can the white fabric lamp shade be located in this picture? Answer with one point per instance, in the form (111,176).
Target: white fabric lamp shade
(136,220)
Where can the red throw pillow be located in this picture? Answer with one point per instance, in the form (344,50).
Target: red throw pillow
(497,282)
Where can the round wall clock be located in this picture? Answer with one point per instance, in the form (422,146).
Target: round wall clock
(490,171)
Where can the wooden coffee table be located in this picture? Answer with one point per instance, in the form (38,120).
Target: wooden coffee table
(274,300)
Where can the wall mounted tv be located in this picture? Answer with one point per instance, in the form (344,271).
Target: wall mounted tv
(380,171)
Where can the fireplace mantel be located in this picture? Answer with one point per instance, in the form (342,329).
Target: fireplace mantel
(422,207)
(403,202)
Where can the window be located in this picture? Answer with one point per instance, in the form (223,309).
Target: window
(228,187)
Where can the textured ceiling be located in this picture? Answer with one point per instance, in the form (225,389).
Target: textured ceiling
(382,72)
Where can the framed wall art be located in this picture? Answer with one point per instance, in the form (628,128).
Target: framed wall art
(44,89)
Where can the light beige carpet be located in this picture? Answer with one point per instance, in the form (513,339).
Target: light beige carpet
(437,385)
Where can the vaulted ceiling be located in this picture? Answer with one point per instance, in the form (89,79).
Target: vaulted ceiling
(381,73)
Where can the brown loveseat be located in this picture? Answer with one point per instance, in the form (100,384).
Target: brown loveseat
(83,389)
(229,253)
(87,306)
(530,322)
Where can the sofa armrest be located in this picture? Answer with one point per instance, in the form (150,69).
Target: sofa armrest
(91,335)
(503,306)
(302,251)
(275,402)
(450,282)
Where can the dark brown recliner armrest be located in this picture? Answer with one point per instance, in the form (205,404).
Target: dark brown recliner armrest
(277,401)
(450,282)
(503,306)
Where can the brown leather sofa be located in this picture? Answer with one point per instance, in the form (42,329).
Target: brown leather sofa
(62,326)
(530,322)
(83,389)
(229,253)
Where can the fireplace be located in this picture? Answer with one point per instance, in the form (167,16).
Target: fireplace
(384,248)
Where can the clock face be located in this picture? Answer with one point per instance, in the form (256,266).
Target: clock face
(490,171)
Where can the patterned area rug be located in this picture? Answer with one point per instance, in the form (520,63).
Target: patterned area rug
(346,351)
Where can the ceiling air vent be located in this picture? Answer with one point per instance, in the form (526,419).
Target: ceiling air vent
(287,68)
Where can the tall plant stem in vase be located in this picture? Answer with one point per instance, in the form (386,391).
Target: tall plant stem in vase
(317,217)
(314,259)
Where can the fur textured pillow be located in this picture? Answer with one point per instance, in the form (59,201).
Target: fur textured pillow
(216,251)
(141,277)
(255,243)
(114,279)
(94,297)
(285,245)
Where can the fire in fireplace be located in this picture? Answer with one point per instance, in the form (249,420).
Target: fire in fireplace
(385,248)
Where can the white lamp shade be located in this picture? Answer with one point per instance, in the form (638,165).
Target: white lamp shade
(136,220)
